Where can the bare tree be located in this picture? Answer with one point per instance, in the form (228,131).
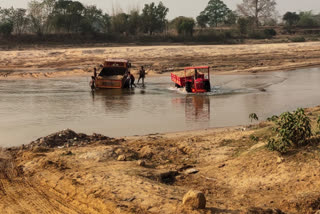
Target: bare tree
(260,10)
(39,12)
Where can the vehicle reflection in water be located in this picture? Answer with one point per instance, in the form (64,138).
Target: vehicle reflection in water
(197,107)
(115,100)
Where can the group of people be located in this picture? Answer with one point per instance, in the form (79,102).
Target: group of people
(142,75)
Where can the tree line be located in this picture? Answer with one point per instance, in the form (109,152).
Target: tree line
(72,17)
(67,16)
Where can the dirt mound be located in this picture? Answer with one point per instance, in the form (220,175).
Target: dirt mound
(68,138)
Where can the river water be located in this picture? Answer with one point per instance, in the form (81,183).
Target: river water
(30,109)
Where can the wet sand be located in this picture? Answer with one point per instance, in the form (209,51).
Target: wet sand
(224,59)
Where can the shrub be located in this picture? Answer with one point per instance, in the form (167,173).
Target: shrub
(254,138)
(245,25)
(298,39)
(292,129)
(274,118)
(257,35)
(214,36)
(307,19)
(253,116)
(270,32)
(184,25)
(262,34)
(6,28)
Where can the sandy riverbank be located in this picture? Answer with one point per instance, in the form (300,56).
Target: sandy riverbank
(224,59)
(75,173)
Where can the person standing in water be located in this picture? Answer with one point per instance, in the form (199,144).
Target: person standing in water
(93,83)
(132,79)
(142,75)
(95,73)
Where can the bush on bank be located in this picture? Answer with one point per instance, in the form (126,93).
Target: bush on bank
(292,130)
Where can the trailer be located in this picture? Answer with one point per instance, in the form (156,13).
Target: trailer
(193,79)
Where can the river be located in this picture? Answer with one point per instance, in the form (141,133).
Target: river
(30,109)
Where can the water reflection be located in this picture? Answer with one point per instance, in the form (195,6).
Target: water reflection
(116,100)
(197,107)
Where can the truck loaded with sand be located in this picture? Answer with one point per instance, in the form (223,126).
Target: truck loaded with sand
(114,74)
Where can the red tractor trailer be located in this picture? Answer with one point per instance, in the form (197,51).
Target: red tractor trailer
(193,79)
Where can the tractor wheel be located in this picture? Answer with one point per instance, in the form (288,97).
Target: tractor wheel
(207,86)
(189,87)
(177,86)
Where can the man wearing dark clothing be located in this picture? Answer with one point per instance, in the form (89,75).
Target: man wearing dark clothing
(92,83)
(95,73)
(132,79)
(142,75)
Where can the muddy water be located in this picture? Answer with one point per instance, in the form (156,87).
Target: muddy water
(30,109)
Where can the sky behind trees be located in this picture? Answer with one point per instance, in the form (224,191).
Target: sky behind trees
(190,8)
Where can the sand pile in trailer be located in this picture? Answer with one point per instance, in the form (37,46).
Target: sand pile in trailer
(188,73)
(114,77)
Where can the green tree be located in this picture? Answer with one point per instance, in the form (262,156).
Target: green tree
(261,10)
(245,25)
(231,18)
(154,17)
(307,19)
(120,23)
(291,18)
(68,16)
(184,25)
(216,12)
(202,20)
(6,28)
(134,22)
(94,20)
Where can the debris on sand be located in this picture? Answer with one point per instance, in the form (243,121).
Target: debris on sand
(257,210)
(194,199)
(141,163)
(167,177)
(121,158)
(68,138)
(191,171)
(146,152)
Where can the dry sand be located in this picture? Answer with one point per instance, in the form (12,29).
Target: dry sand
(236,174)
(225,59)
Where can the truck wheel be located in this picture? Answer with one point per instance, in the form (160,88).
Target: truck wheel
(207,86)
(189,87)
